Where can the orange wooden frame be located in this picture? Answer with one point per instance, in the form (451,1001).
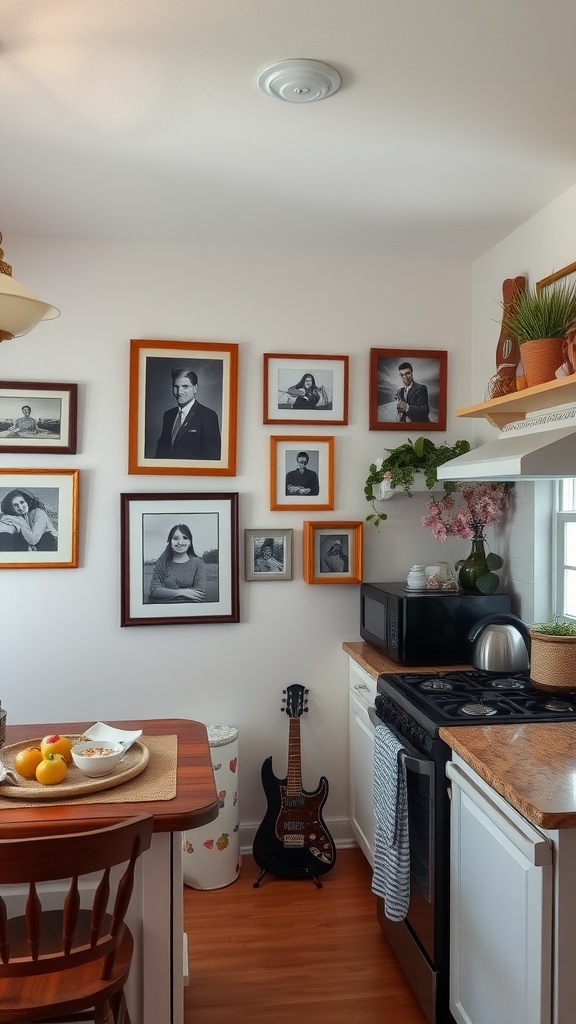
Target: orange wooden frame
(319,537)
(216,365)
(290,445)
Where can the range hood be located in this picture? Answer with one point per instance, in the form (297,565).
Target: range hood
(540,447)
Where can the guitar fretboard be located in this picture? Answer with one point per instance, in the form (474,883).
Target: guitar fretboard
(294,776)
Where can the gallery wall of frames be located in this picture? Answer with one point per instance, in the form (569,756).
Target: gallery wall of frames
(181,557)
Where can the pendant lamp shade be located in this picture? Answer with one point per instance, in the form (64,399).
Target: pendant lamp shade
(20,310)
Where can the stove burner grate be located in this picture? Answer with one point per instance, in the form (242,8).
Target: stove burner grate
(508,683)
(478,710)
(436,683)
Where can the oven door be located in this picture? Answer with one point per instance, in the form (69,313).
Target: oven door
(420,781)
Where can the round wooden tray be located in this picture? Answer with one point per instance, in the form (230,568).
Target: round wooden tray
(76,783)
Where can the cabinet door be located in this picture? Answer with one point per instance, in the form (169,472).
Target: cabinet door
(501,910)
(361,770)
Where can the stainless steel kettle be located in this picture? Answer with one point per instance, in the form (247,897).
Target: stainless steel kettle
(500,643)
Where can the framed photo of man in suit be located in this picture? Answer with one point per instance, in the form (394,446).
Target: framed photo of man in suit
(407,389)
(183,408)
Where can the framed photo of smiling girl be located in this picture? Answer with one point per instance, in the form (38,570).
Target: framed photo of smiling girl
(38,518)
(179,558)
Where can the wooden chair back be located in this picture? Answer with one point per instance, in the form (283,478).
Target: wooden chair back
(47,942)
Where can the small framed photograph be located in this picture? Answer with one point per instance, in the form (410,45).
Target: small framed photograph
(183,408)
(267,555)
(407,389)
(305,389)
(332,552)
(179,559)
(38,518)
(301,473)
(38,418)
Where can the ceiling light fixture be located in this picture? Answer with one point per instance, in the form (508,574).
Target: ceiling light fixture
(299,81)
(20,311)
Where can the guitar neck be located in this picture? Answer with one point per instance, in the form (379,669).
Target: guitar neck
(294,776)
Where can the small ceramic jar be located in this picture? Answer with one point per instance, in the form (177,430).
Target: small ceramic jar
(416,578)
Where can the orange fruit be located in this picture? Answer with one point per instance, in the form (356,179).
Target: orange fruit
(56,744)
(51,770)
(27,761)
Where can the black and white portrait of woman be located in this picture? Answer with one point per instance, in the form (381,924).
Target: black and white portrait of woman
(28,521)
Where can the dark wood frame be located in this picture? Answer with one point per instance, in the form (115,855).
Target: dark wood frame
(178,506)
(313,532)
(145,423)
(306,363)
(281,501)
(28,392)
(31,480)
(414,356)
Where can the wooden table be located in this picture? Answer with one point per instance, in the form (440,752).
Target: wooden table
(155,988)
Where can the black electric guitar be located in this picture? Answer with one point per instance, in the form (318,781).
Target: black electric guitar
(293,841)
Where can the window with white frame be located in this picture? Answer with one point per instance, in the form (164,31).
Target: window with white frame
(565,546)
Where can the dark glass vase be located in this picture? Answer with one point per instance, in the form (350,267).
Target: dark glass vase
(473,567)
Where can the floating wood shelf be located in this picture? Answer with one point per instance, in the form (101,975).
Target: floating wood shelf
(509,408)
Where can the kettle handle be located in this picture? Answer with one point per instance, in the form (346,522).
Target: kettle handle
(500,619)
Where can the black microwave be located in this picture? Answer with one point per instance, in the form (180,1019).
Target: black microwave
(429,627)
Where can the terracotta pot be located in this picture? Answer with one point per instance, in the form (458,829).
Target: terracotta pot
(553,662)
(540,359)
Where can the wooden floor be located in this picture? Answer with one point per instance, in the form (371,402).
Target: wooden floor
(288,951)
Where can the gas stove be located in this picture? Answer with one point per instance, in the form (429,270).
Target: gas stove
(468,698)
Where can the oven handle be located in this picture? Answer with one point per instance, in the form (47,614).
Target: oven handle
(420,765)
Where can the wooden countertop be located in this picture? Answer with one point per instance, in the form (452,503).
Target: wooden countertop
(532,766)
(195,803)
(375,662)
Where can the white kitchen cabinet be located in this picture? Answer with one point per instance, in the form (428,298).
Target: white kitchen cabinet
(501,896)
(361,732)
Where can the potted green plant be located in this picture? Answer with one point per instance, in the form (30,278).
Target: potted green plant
(540,320)
(553,655)
(398,470)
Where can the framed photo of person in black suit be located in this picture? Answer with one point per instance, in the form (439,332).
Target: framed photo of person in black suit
(407,389)
(183,408)
(301,473)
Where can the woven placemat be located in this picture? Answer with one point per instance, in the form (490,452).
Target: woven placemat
(156,782)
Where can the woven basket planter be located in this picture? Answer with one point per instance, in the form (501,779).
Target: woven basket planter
(553,662)
(540,359)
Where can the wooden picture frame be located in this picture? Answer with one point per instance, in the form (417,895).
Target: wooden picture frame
(267,555)
(557,275)
(39,518)
(48,427)
(208,579)
(333,552)
(389,378)
(287,400)
(203,442)
(301,473)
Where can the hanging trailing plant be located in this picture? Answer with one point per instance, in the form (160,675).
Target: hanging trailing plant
(401,465)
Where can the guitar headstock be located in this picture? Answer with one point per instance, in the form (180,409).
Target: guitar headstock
(295,700)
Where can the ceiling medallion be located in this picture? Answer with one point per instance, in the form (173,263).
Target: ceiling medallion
(299,81)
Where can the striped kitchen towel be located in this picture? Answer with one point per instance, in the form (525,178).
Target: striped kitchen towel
(391,876)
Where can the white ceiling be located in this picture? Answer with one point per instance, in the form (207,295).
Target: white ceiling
(141,120)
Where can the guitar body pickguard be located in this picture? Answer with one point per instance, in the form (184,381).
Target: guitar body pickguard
(293,841)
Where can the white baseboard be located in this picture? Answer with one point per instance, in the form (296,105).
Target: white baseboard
(339,828)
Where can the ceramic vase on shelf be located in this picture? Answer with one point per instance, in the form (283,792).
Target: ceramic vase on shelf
(473,567)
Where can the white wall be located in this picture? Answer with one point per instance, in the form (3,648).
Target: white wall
(542,245)
(64,654)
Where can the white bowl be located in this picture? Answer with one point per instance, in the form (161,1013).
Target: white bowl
(105,757)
